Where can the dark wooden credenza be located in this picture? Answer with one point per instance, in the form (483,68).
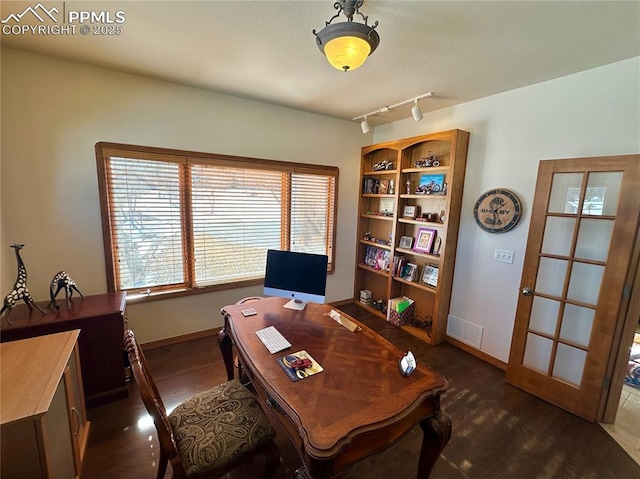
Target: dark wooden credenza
(100,319)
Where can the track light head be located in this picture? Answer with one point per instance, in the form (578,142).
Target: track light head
(416,111)
(365,126)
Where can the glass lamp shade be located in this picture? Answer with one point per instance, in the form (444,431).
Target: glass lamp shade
(347,53)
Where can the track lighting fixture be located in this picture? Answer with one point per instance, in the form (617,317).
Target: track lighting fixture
(365,125)
(347,44)
(416,112)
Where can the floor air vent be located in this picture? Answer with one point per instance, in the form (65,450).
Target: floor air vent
(464,331)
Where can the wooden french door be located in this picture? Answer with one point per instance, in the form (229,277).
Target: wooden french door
(584,223)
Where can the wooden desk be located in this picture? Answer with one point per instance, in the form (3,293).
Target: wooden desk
(100,318)
(360,404)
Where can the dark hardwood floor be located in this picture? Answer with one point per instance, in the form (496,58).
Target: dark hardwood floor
(498,431)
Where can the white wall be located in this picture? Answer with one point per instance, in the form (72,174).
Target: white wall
(593,113)
(53,113)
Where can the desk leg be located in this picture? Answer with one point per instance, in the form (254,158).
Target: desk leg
(226,348)
(437,432)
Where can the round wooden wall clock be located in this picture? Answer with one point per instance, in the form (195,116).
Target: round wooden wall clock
(497,210)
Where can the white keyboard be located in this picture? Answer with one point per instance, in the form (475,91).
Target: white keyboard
(272,339)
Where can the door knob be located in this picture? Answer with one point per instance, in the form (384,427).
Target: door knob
(527,291)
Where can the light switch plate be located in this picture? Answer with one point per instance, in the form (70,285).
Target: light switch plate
(503,255)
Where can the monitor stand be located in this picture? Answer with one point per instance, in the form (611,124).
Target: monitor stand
(296,305)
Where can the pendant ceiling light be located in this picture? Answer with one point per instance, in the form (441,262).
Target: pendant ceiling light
(347,44)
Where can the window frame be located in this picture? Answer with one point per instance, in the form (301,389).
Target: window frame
(106,150)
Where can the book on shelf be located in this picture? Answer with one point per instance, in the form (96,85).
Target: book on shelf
(370,186)
(398,264)
(309,365)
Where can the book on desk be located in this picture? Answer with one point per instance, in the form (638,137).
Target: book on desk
(298,374)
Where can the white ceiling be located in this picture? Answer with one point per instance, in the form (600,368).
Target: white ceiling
(265,50)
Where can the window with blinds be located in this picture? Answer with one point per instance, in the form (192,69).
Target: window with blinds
(184,222)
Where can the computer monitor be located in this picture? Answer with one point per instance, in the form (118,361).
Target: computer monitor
(299,276)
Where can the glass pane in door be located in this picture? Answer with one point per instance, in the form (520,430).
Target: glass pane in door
(537,352)
(551,274)
(576,324)
(565,193)
(556,232)
(603,189)
(569,364)
(594,238)
(584,285)
(544,315)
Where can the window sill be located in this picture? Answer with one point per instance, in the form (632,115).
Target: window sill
(135,298)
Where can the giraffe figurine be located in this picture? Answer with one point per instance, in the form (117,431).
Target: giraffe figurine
(20,290)
(59,281)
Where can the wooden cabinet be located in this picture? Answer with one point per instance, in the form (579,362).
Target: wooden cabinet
(44,427)
(411,212)
(101,321)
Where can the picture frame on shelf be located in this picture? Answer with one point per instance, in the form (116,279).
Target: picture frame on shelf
(409,272)
(410,211)
(429,275)
(386,206)
(406,242)
(424,240)
(383,189)
(431,184)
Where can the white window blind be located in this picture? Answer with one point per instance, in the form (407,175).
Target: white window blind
(311,201)
(146,214)
(182,222)
(236,217)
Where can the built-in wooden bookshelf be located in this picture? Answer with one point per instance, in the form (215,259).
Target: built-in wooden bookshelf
(387,188)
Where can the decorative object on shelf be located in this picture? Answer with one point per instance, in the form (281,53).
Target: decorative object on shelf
(365,296)
(400,311)
(437,245)
(443,216)
(497,210)
(424,240)
(430,275)
(430,184)
(383,189)
(59,281)
(347,44)
(406,242)
(367,236)
(445,188)
(432,217)
(365,124)
(392,187)
(408,187)
(386,206)
(379,304)
(410,211)
(383,165)
(20,290)
(426,323)
(428,161)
